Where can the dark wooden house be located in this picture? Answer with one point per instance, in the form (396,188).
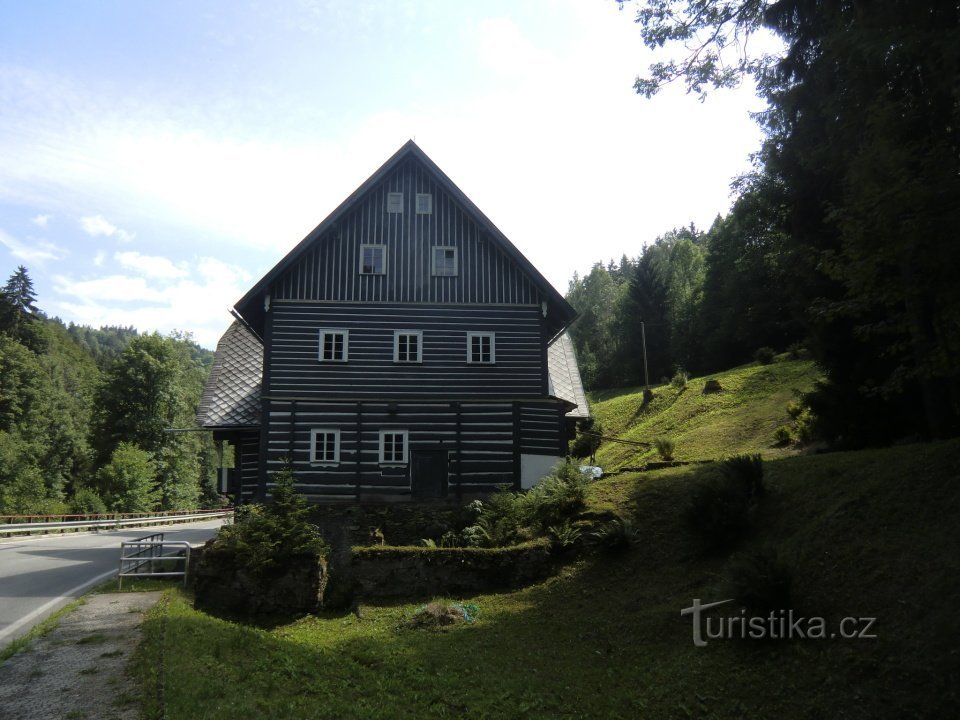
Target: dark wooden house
(405,349)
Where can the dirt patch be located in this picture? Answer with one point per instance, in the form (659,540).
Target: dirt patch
(79,670)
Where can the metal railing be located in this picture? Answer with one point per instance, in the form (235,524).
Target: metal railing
(29,524)
(151,557)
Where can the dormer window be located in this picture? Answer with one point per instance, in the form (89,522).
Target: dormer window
(444,261)
(373,259)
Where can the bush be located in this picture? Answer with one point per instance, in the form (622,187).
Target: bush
(679,379)
(585,446)
(128,481)
(508,518)
(665,448)
(85,501)
(759,581)
(796,351)
(764,355)
(746,470)
(617,535)
(563,536)
(783,435)
(264,538)
(806,423)
(721,509)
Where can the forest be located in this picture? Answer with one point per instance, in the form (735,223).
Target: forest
(842,241)
(86,415)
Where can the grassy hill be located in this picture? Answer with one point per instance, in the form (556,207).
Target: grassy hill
(740,418)
(871,536)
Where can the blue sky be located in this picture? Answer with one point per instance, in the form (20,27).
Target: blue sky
(157,158)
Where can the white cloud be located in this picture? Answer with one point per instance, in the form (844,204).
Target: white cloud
(41,220)
(98,225)
(99,258)
(152,266)
(199,303)
(39,251)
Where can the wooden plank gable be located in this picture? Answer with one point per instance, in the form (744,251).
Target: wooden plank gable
(328,271)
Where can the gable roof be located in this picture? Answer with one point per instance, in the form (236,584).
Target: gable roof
(250,306)
(564,375)
(231,397)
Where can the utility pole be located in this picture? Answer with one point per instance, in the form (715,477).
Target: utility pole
(647,395)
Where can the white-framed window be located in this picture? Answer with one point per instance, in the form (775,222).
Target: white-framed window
(334,345)
(324,446)
(394,446)
(443,261)
(395,202)
(481,348)
(424,204)
(373,259)
(408,346)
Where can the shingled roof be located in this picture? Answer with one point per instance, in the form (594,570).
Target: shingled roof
(231,397)
(565,376)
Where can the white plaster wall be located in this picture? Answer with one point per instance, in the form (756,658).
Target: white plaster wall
(533,468)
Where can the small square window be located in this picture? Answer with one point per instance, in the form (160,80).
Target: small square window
(324,446)
(373,259)
(424,204)
(444,261)
(408,346)
(395,202)
(481,348)
(333,345)
(393,447)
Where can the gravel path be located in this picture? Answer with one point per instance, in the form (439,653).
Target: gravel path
(79,670)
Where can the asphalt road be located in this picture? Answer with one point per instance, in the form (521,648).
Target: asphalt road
(39,575)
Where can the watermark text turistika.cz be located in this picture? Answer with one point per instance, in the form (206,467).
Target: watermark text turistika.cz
(778,625)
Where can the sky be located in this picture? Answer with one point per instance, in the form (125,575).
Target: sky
(158,158)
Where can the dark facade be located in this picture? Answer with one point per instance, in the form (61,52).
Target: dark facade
(406,350)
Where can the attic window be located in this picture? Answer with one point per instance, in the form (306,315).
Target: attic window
(444,261)
(373,260)
(395,202)
(424,204)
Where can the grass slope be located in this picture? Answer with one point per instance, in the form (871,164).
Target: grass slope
(869,534)
(741,418)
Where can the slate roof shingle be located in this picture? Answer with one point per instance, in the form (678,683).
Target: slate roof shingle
(564,375)
(231,397)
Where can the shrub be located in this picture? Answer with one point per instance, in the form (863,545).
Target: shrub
(795,408)
(806,423)
(759,581)
(783,435)
(665,447)
(747,471)
(85,501)
(679,379)
(585,446)
(128,481)
(797,351)
(564,535)
(617,535)
(507,517)
(264,538)
(764,355)
(721,509)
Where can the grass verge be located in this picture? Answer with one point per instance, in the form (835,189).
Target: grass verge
(38,631)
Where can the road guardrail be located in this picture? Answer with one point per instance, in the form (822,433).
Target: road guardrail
(109,523)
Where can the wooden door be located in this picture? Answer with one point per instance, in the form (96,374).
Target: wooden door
(428,474)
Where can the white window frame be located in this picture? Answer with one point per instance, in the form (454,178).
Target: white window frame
(395,203)
(424,204)
(373,246)
(324,462)
(492,337)
(405,451)
(396,347)
(324,333)
(433,261)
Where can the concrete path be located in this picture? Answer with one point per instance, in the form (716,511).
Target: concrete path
(79,671)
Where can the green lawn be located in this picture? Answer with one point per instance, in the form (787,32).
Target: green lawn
(741,418)
(869,534)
